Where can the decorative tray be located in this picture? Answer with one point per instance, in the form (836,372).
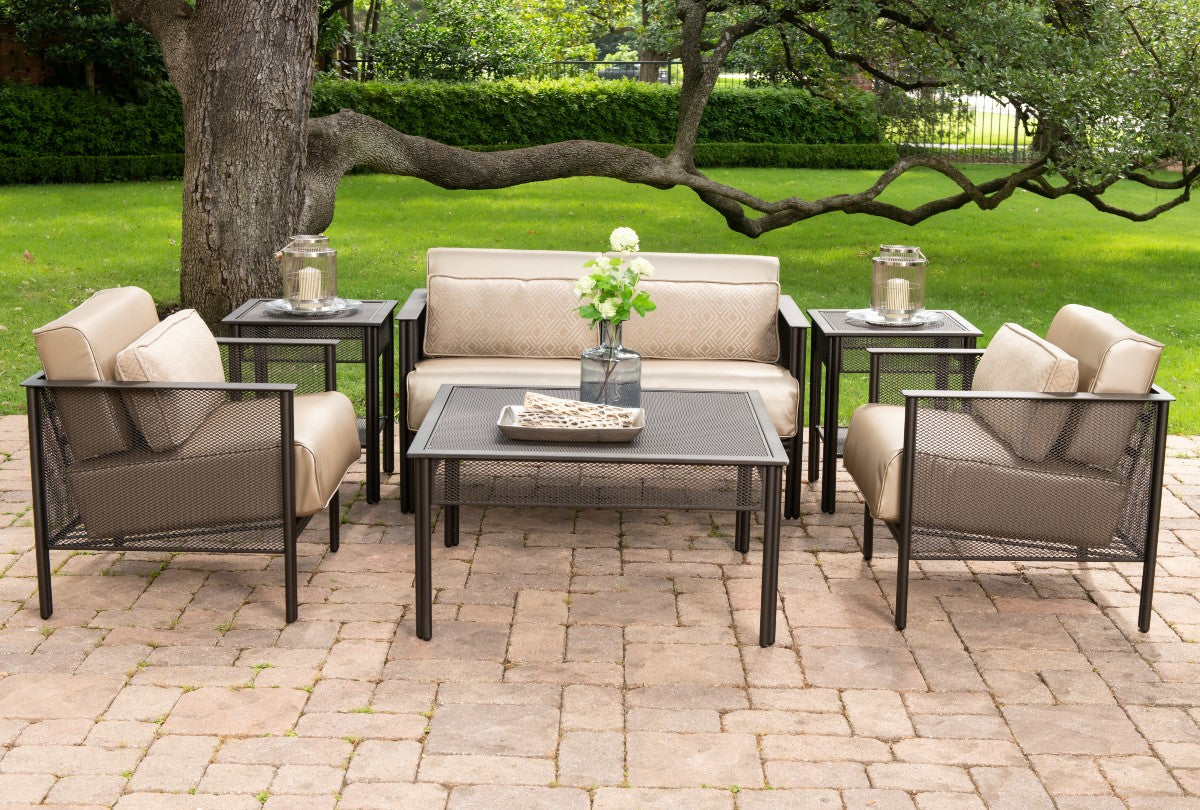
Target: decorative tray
(512,413)
(869,317)
(340,306)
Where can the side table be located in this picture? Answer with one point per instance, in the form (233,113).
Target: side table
(840,346)
(365,337)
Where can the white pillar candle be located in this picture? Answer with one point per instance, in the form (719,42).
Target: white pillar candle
(310,283)
(896,299)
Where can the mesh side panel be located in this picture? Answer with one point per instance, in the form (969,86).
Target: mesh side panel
(302,366)
(856,360)
(626,486)
(219,489)
(350,348)
(898,372)
(1003,479)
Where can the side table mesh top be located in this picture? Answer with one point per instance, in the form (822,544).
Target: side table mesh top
(370,314)
(681,426)
(947,324)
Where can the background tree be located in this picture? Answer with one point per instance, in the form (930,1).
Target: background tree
(1110,89)
(85,45)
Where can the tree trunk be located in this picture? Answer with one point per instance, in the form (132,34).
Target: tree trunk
(246,89)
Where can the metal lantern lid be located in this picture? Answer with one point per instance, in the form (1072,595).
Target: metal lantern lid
(307,245)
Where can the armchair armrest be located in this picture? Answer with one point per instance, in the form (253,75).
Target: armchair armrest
(793,327)
(892,369)
(414,307)
(310,364)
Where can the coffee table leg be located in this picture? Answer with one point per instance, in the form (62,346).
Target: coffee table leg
(450,511)
(371,353)
(829,447)
(741,542)
(770,573)
(422,536)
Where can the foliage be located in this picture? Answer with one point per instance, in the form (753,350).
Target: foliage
(42,121)
(462,40)
(608,289)
(523,112)
(83,43)
(89,168)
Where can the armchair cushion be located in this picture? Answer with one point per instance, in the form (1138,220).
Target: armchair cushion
(1018,360)
(83,345)
(969,480)
(179,349)
(1113,359)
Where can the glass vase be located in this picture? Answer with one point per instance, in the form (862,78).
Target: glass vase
(609,373)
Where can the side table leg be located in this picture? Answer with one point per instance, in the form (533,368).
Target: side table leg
(389,400)
(770,571)
(814,405)
(422,537)
(371,358)
(741,534)
(829,448)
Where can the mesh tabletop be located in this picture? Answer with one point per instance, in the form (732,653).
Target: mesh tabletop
(682,427)
(835,323)
(254,312)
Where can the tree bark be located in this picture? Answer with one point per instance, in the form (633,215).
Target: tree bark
(244,70)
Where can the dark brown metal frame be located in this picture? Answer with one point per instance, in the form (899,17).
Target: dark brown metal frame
(962,361)
(793,345)
(39,396)
(377,339)
(828,346)
(426,463)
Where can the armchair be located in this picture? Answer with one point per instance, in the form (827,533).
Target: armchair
(1049,449)
(138,442)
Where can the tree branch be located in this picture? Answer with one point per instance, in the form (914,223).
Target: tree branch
(345,140)
(159,17)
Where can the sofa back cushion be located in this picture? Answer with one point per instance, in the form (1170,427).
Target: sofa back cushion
(180,349)
(521,303)
(1018,360)
(83,345)
(1113,359)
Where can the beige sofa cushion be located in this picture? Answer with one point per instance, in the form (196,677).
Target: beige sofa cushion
(968,480)
(83,345)
(779,390)
(521,303)
(1018,360)
(180,349)
(1113,359)
(220,476)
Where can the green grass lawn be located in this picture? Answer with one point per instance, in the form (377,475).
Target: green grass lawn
(1020,263)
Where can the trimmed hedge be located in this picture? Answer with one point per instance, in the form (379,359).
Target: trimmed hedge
(60,135)
(526,112)
(41,121)
(90,168)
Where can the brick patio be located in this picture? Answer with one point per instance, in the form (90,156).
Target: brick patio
(596,660)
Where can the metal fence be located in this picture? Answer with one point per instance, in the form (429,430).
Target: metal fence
(663,72)
(967,128)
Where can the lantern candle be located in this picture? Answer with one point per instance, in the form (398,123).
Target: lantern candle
(310,283)
(897,295)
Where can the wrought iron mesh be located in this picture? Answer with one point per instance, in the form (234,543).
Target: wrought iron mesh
(1047,479)
(923,371)
(301,365)
(202,471)
(623,486)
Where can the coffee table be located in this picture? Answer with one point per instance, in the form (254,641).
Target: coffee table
(840,346)
(364,337)
(711,450)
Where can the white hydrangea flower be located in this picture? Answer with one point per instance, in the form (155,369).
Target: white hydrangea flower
(624,240)
(641,267)
(584,286)
(607,308)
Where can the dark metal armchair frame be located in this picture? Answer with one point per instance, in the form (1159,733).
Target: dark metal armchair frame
(58,525)
(793,342)
(959,365)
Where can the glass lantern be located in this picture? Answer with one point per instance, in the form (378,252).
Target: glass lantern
(308,267)
(898,282)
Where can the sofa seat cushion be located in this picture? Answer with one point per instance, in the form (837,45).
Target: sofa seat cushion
(779,390)
(83,345)
(226,473)
(180,349)
(967,480)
